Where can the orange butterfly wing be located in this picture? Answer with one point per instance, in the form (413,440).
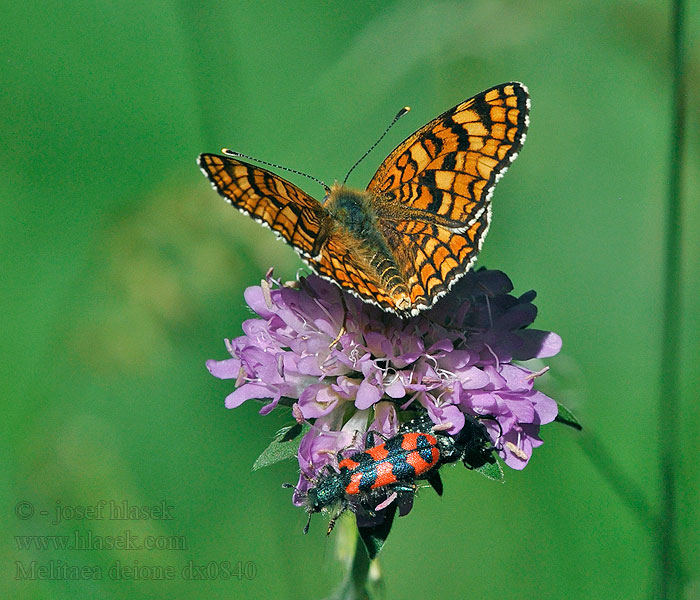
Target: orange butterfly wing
(302,221)
(433,256)
(344,262)
(269,199)
(435,188)
(449,166)
(430,197)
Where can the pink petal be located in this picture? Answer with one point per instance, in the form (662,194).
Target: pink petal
(224,369)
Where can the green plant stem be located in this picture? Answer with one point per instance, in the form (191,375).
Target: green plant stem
(354,586)
(621,483)
(669,584)
(360,570)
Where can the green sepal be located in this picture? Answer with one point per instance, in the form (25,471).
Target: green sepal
(566,417)
(287,434)
(492,471)
(285,445)
(375,537)
(436,482)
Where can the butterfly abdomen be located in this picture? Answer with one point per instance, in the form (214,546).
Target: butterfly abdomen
(353,219)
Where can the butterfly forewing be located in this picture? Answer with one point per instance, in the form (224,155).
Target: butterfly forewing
(449,166)
(268,198)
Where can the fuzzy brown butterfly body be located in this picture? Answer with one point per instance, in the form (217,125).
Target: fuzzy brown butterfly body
(405,241)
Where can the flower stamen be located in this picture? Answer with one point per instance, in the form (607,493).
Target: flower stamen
(267,296)
(539,373)
(515,450)
(495,356)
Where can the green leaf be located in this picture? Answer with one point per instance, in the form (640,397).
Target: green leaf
(375,537)
(492,471)
(566,417)
(287,434)
(285,445)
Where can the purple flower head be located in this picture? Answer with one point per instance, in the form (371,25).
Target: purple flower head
(348,367)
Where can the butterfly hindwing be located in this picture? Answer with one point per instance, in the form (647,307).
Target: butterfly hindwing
(269,199)
(341,261)
(432,256)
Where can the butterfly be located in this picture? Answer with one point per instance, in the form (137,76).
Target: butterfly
(417,229)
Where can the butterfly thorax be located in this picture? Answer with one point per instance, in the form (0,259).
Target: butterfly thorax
(353,218)
(353,210)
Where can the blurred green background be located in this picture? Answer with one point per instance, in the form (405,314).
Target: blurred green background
(122,272)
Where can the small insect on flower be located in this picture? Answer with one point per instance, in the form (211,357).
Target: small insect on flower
(370,480)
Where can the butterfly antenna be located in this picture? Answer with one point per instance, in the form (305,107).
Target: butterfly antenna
(234,154)
(399,114)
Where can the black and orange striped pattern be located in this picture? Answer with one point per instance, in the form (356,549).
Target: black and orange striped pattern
(418,227)
(401,459)
(267,198)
